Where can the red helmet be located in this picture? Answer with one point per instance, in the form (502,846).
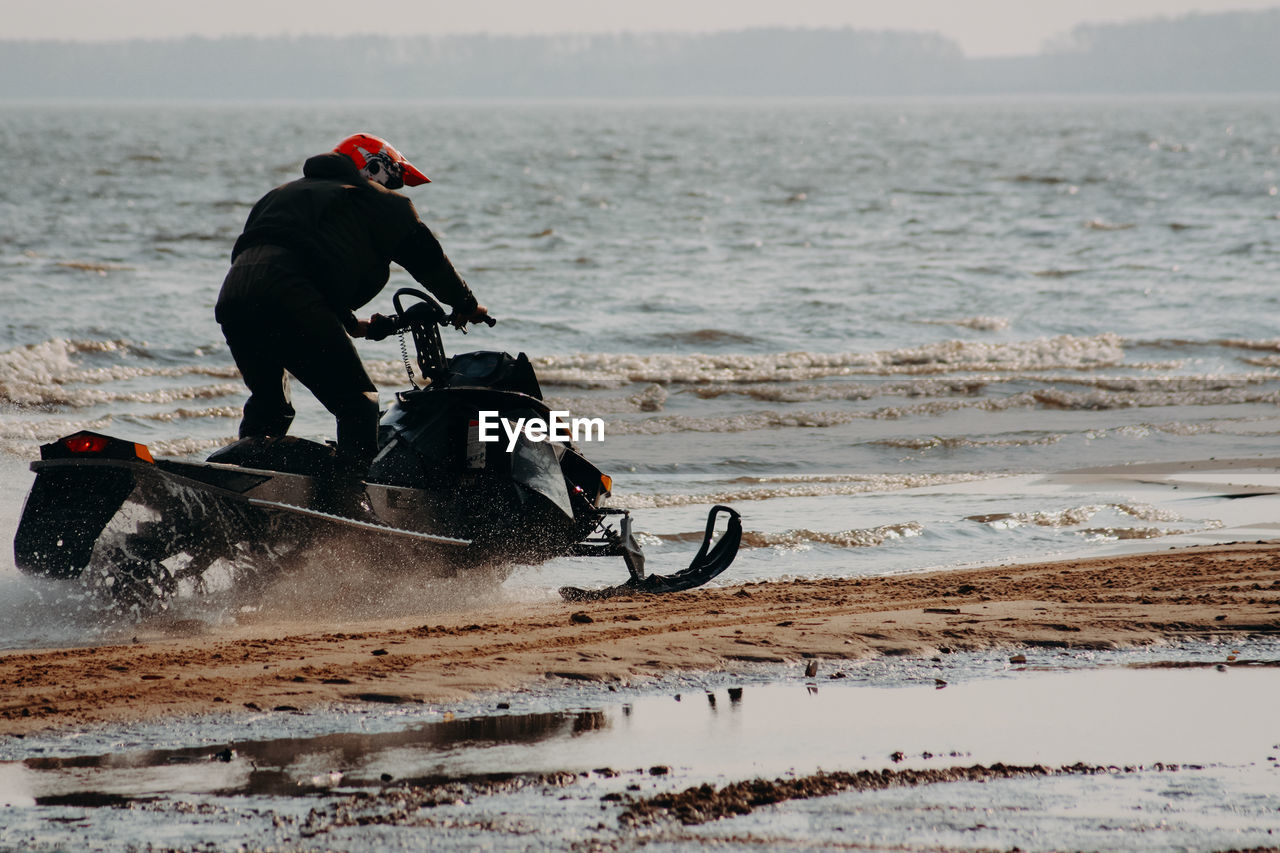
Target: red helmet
(380,162)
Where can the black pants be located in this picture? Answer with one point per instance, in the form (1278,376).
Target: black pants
(274,321)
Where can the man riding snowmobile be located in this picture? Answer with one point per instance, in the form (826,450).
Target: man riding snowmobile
(313,251)
(437,501)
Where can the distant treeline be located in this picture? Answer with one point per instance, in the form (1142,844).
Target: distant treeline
(1230,52)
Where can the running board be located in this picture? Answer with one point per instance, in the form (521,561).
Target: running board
(707,563)
(368,526)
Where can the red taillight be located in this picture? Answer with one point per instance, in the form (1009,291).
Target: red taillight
(100,447)
(85,443)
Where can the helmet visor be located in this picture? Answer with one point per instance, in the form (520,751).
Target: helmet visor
(412,177)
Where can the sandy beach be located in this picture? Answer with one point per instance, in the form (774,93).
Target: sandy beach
(1221,592)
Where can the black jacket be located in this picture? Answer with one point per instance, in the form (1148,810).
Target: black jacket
(345,230)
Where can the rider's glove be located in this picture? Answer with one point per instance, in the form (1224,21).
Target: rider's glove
(380,326)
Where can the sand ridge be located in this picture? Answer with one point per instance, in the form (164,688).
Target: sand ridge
(1218,591)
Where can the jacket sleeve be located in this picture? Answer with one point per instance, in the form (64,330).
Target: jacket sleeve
(420,253)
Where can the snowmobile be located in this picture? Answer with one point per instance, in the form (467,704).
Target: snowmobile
(437,498)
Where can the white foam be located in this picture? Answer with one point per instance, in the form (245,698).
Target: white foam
(1078,515)
(803,538)
(1057,398)
(748,421)
(612,369)
(47,374)
(191,414)
(777,487)
(1263,361)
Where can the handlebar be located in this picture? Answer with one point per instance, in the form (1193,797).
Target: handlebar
(423,314)
(422,320)
(409,316)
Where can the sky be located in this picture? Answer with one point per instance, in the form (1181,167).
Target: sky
(981,27)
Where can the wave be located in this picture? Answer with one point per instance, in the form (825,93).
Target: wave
(1103,225)
(746,422)
(177,447)
(213,236)
(981,323)
(1263,361)
(698,337)
(784,393)
(48,374)
(930,442)
(191,414)
(1049,398)
(100,375)
(750,421)
(1269,344)
(1127,533)
(803,538)
(1058,273)
(51,376)
(389,373)
(671,424)
(797,487)
(82,398)
(1137,386)
(650,399)
(42,374)
(100,267)
(761,479)
(1264,344)
(59,350)
(1072,516)
(20,437)
(1163,384)
(26,435)
(1049,180)
(603,370)
(1056,398)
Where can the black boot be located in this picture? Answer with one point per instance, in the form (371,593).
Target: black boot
(341,491)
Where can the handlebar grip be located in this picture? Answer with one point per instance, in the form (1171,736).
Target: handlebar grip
(461,325)
(380,327)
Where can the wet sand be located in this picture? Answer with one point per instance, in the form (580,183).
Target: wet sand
(1219,591)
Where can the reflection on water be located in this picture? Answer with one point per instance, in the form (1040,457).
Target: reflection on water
(291,766)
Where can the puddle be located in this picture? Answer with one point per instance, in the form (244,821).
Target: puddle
(286,766)
(1200,741)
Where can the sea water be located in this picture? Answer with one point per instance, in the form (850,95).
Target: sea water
(879,328)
